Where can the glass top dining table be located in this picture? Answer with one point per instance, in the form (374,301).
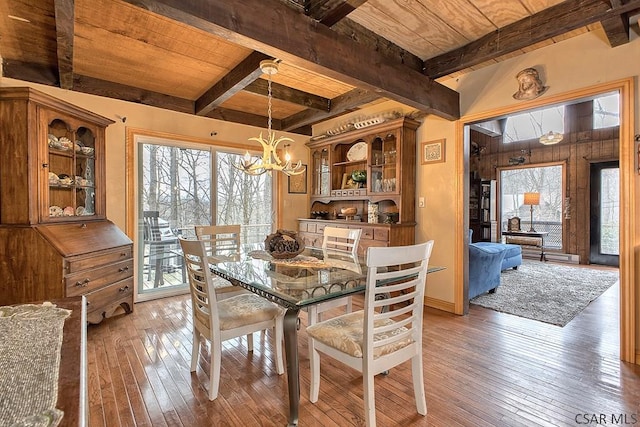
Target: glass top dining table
(310,278)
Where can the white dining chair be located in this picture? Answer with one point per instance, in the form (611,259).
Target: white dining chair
(220,240)
(233,317)
(337,240)
(387,332)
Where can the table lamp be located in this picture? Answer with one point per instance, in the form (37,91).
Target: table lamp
(532,199)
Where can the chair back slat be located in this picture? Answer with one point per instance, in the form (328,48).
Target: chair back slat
(399,274)
(219,238)
(203,296)
(342,239)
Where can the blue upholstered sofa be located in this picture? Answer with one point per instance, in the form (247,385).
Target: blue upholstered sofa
(512,256)
(485,266)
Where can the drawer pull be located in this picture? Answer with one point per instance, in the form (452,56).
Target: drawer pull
(123,254)
(124,288)
(123,269)
(83,283)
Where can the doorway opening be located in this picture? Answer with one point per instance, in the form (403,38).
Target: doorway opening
(604,227)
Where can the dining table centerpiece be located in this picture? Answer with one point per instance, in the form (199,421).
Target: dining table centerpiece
(284,244)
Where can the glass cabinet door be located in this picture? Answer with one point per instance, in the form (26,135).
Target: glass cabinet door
(71,171)
(321,173)
(384,167)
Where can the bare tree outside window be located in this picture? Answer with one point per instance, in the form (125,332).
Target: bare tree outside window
(191,186)
(547,216)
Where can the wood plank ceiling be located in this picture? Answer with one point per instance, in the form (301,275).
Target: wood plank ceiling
(202,57)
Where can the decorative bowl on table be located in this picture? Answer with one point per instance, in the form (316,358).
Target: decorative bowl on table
(349,211)
(284,244)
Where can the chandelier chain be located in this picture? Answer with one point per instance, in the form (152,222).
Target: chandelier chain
(269,105)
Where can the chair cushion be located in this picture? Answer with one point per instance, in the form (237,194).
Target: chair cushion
(345,333)
(246,309)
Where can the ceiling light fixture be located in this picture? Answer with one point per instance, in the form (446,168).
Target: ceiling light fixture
(551,138)
(270,160)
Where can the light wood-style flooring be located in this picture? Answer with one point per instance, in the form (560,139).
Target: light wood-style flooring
(484,369)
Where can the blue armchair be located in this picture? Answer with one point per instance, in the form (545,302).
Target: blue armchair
(485,266)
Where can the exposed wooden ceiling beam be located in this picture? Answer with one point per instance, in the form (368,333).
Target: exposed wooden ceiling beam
(31,72)
(330,12)
(285,93)
(252,23)
(617,30)
(367,38)
(64,15)
(554,21)
(107,89)
(233,82)
(339,105)
(241,117)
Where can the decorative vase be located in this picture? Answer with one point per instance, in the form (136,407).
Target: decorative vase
(372,210)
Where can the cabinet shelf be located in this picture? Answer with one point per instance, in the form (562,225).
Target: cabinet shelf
(351,162)
(58,231)
(389,188)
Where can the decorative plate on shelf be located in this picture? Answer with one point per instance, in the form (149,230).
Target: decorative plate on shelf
(357,152)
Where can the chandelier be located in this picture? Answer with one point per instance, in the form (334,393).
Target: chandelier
(551,138)
(270,160)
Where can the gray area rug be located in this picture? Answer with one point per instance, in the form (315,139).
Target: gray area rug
(548,292)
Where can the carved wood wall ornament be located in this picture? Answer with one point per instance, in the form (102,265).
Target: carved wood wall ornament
(530,85)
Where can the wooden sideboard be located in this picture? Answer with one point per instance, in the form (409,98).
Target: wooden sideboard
(311,231)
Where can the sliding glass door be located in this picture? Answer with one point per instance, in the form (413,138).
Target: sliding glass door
(180,186)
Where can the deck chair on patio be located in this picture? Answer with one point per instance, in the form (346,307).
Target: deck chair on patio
(161,248)
(374,340)
(220,321)
(337,240)
(220,240)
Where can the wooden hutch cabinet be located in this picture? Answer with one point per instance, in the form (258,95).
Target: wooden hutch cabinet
(387,154)
(56,241)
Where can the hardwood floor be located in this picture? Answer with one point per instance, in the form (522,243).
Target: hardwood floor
(484,369)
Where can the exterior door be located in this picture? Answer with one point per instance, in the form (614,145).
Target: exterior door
(605,214)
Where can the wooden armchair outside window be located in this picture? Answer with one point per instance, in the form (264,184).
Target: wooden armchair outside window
(161,248)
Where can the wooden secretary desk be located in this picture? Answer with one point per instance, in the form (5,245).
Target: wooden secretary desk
(55,239)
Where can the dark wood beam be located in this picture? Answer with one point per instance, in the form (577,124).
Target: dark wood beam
(270,27)
(31,72)
(367,38)
(241,117)
(285,93)
(373,41)
(339,105)
(617,29)
(554,21)
(107,89)
(65,17)
(233,82)
(330,12)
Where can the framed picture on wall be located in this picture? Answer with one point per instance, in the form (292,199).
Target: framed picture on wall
(298,183)
(432,151)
